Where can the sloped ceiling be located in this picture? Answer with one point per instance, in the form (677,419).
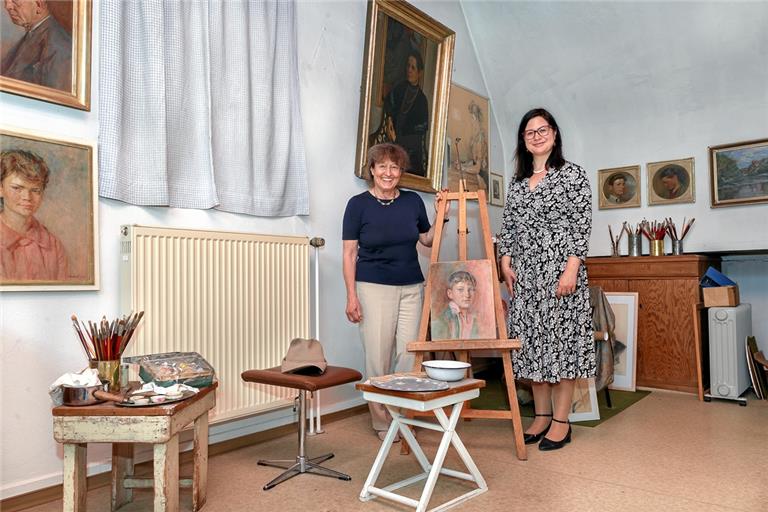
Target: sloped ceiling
(651,64)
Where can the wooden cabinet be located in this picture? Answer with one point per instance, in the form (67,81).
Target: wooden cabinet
(667,287)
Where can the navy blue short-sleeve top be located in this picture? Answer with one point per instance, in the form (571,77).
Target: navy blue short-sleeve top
(386,237)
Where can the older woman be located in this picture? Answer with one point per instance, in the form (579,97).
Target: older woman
(381,267)
(543,243)
(28,251)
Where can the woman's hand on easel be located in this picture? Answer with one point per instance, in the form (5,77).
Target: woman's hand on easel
(442,195)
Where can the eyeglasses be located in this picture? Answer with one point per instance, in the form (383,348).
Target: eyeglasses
(543,132)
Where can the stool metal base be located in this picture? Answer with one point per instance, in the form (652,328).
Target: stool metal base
(299,466)
(302,463)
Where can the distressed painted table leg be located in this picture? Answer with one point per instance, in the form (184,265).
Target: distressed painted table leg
(200,471)
(75,488)
(167,475)
(122,467)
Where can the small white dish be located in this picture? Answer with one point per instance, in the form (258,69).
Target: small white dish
(445,369)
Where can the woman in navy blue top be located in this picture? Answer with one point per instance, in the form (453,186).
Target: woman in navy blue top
(381,267)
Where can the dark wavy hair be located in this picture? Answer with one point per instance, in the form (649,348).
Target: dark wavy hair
(523,159)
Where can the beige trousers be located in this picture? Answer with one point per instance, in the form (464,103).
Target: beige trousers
(391,316)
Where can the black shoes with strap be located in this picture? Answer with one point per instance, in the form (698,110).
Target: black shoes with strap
(534,438)
(547,444)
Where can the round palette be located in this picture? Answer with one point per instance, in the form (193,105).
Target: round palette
(409,383)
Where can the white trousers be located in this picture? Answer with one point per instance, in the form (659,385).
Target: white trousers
(391,316)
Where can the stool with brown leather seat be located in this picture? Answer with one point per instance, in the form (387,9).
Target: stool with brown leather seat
(333,376)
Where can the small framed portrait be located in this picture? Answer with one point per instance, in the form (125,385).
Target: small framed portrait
(671,182)
(48,220)
(46,50)
(467,133)
(739,173)
(496,196)
(461,297)
(618,187)
(405,88)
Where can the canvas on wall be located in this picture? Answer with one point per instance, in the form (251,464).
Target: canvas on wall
(671,182)
(467,138)
(618,187)
(739,173)
(461,298)
(48,222)
(406,78)
(45,50)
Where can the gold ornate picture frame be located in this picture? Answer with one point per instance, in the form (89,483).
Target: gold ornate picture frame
(405,89)
(52,60)
(48,232)
(671,182)
(618,187)
(739,173)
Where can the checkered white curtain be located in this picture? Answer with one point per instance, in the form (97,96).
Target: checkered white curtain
(199,106)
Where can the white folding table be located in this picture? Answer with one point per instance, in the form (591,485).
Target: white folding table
(434,401)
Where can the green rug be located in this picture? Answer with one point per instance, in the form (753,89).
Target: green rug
(494,397)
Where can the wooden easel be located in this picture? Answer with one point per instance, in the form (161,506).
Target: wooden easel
(464,348)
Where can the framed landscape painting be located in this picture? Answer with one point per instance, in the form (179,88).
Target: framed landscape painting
(739,173)
(405,87)
(48,223)
(46,51)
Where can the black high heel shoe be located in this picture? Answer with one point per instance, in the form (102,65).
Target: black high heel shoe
(547,444)
(534,438)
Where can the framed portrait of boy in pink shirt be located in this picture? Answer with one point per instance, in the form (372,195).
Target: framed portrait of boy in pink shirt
(48,210)
(462,300)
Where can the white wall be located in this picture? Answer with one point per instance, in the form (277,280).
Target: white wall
(632,82)
(38,344)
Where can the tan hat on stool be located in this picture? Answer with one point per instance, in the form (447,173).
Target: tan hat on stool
(304,354)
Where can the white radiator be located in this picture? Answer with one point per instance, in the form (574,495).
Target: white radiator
(237,299)
(728,330)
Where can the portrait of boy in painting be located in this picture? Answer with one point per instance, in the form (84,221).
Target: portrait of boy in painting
(47,217)
(28,250)
(462,301)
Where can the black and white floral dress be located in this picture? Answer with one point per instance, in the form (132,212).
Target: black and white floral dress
(541,229)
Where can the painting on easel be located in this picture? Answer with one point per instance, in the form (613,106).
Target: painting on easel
(462,305)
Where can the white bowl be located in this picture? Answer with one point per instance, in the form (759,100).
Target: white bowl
(444,369)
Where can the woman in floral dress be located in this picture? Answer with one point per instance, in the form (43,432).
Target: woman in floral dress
(543,243)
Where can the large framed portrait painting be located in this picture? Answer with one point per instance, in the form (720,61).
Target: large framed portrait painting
(405,88)
(46,50)
(48,213)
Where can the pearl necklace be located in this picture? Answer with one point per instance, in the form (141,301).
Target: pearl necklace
(540,170)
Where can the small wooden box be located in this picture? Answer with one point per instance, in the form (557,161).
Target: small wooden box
(721,296)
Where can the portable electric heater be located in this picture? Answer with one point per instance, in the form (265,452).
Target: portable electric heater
(728,331)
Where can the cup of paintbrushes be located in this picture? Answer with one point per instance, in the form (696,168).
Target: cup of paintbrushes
(677,247)
(634,244)
(109,371)
(657,247)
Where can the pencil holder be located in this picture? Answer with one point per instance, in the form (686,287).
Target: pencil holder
(677,247)
(110,371)
(635,244)
(657,247)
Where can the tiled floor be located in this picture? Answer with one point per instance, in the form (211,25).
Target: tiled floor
(668,452)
